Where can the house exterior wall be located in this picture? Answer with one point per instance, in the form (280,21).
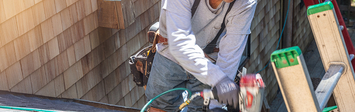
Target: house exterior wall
(302,33)
(265,31)
(56,48)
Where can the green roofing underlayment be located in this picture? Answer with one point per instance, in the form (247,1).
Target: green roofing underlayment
(320,8)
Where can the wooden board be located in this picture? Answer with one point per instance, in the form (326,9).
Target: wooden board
(110,14)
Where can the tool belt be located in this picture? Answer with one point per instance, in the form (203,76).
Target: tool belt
(162,39)
(141,62)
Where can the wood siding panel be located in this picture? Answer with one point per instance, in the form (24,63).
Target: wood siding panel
(94,39)
(108,16)
(38,79)
(22,46)
(53,48)
(28,3)
(25,21)
(14,74)
(78,31)
(23,87)
(44,54)
(35,38)
(13,7)
(2,12)
(73,74)
(70,93)
(47,30)
(111,81)
(9,30)
(74,14)
(10,53)
(63,63)
(3,59)
(49,8)
(79,48)
(38,13)
(51,69)
(94,5)
(67,21)
(115,95)
(71,55)
(3,82)
(64,42)
(95,94)
(80,9)
(88,81)
(89,23)
(87,7)
(30,63)
(59,85)
(37,1)
(48,90)
(70,2)
(57,24)
(60,5)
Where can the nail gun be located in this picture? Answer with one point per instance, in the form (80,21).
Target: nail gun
(250,96)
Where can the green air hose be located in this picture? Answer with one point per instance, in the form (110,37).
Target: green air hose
(146,105)
(329,108)
(26,109)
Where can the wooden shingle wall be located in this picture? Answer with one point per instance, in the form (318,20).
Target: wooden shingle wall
(56,48)
(302,32)
(265,31)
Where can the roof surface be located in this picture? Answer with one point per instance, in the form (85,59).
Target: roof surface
(55,104)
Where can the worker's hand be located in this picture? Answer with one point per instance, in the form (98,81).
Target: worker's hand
(227,92)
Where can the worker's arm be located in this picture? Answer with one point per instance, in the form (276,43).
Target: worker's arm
(232,45)
(182,43)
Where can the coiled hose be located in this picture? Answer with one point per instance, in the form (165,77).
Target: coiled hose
(146,105)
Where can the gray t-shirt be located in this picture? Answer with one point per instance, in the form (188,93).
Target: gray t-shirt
(186,36)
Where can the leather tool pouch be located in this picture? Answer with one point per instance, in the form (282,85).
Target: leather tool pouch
(141,62)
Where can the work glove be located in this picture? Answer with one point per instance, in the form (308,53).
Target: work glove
(227,92)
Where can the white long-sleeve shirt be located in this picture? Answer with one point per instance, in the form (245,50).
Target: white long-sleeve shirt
(186,36)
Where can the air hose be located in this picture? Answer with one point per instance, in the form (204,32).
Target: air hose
(328,109)
(26,109)
(146,105)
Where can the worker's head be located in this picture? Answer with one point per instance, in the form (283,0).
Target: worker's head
(228,1)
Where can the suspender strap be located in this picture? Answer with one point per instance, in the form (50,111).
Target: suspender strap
(194,7)
(209,48)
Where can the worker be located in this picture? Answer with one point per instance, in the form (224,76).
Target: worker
(180,60)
